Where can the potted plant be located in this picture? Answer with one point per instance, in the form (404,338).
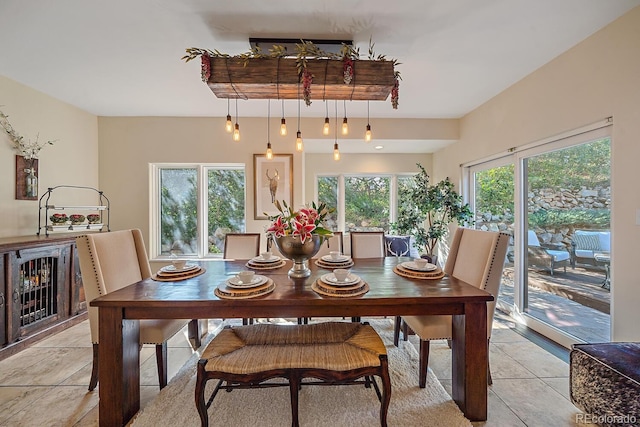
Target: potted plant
(93,218)
(426,211)
(76,219)
(58,218)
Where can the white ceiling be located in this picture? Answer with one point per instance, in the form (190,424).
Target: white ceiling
(122,57)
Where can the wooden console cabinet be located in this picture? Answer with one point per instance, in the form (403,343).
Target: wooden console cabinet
(40,289)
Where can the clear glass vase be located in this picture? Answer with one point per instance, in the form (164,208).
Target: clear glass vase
(31,187)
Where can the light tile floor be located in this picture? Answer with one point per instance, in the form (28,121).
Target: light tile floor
(47,384)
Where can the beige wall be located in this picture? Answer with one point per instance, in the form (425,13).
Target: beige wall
(596,79)
(72,160)
(129,144)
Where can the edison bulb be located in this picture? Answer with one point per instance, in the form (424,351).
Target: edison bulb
(229,125)
(283,127)
(236,133)
(325,128)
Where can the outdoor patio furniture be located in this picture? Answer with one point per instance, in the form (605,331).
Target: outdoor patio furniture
(586,244)
(604,381)
(544,256)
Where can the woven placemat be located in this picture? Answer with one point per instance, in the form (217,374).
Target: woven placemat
(427,275)
(176,277)
(226,292)
(263,266)
(334,265)
(319,288)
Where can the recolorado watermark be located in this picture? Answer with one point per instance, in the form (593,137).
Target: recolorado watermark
(606,419)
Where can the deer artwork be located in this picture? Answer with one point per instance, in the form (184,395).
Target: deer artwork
(273,184)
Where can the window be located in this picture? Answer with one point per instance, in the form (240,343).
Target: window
(194,207)
(362,202)
(548,195)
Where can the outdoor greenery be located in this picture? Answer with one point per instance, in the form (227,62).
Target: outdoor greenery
(225,206)
(577,218)
(368,202)
(427,210)
(573,168)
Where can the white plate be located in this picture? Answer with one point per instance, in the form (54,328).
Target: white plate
(257,280)
(330,278)
(340,259)
(412,266)
(173,269)
(260,260)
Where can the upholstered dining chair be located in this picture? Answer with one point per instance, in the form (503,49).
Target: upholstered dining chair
(241,245)
(476,257)
(113,260)
(367,244)
(333,243)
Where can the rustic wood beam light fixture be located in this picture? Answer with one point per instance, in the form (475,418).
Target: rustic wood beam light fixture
(276,73)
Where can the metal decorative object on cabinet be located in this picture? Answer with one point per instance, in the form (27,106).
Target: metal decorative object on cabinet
(63,223)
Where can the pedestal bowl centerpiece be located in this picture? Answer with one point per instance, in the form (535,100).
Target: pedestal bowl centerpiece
(299,234)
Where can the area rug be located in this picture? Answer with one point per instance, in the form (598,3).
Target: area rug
(333,406)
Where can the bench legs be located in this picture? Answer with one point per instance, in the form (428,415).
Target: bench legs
(294,377)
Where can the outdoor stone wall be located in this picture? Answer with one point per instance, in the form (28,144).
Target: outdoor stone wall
(588,198)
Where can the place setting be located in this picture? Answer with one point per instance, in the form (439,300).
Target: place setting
(178,270)
(266,261)
(340,283)
(335,259)
(245,284)
(419,268)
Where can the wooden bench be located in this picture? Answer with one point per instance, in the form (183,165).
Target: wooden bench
(335,353)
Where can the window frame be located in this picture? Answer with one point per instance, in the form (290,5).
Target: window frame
(202,170)
(341,208)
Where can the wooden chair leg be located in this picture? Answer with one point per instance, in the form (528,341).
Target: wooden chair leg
(396,330)
(424,362)
(294,387)
(93,382)
(161,360)
(386,390)
(405,331)
(201,382)
(195,334)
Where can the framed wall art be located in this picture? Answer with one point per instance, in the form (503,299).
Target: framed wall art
(273,180)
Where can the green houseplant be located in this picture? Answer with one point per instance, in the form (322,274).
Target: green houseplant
(425,212)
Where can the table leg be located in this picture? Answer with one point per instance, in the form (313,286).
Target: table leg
(469,361)
(118,367)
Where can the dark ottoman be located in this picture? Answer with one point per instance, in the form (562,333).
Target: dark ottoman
(605,382)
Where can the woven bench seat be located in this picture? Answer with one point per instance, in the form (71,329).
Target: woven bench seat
(334,352)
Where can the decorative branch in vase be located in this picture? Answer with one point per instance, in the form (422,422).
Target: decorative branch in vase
(29,151)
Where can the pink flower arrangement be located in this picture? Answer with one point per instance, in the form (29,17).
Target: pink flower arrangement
(304,222)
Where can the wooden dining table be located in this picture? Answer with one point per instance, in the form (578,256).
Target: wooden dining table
(194,298)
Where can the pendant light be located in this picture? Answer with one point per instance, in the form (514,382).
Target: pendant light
(236,131)
(336,150)
(325,128)
(229,125)
(345,124)
(269,153)
(367,134)
(283,122)
(299,143)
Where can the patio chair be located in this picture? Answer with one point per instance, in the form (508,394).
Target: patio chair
(544,257)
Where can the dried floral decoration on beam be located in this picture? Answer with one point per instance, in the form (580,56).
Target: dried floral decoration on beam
(305,51)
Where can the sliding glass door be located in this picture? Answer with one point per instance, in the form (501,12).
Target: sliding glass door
(554,199)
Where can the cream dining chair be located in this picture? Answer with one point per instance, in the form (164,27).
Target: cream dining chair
(241,245)
(113,260)
(476,257)
(367,244)
(333,243)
